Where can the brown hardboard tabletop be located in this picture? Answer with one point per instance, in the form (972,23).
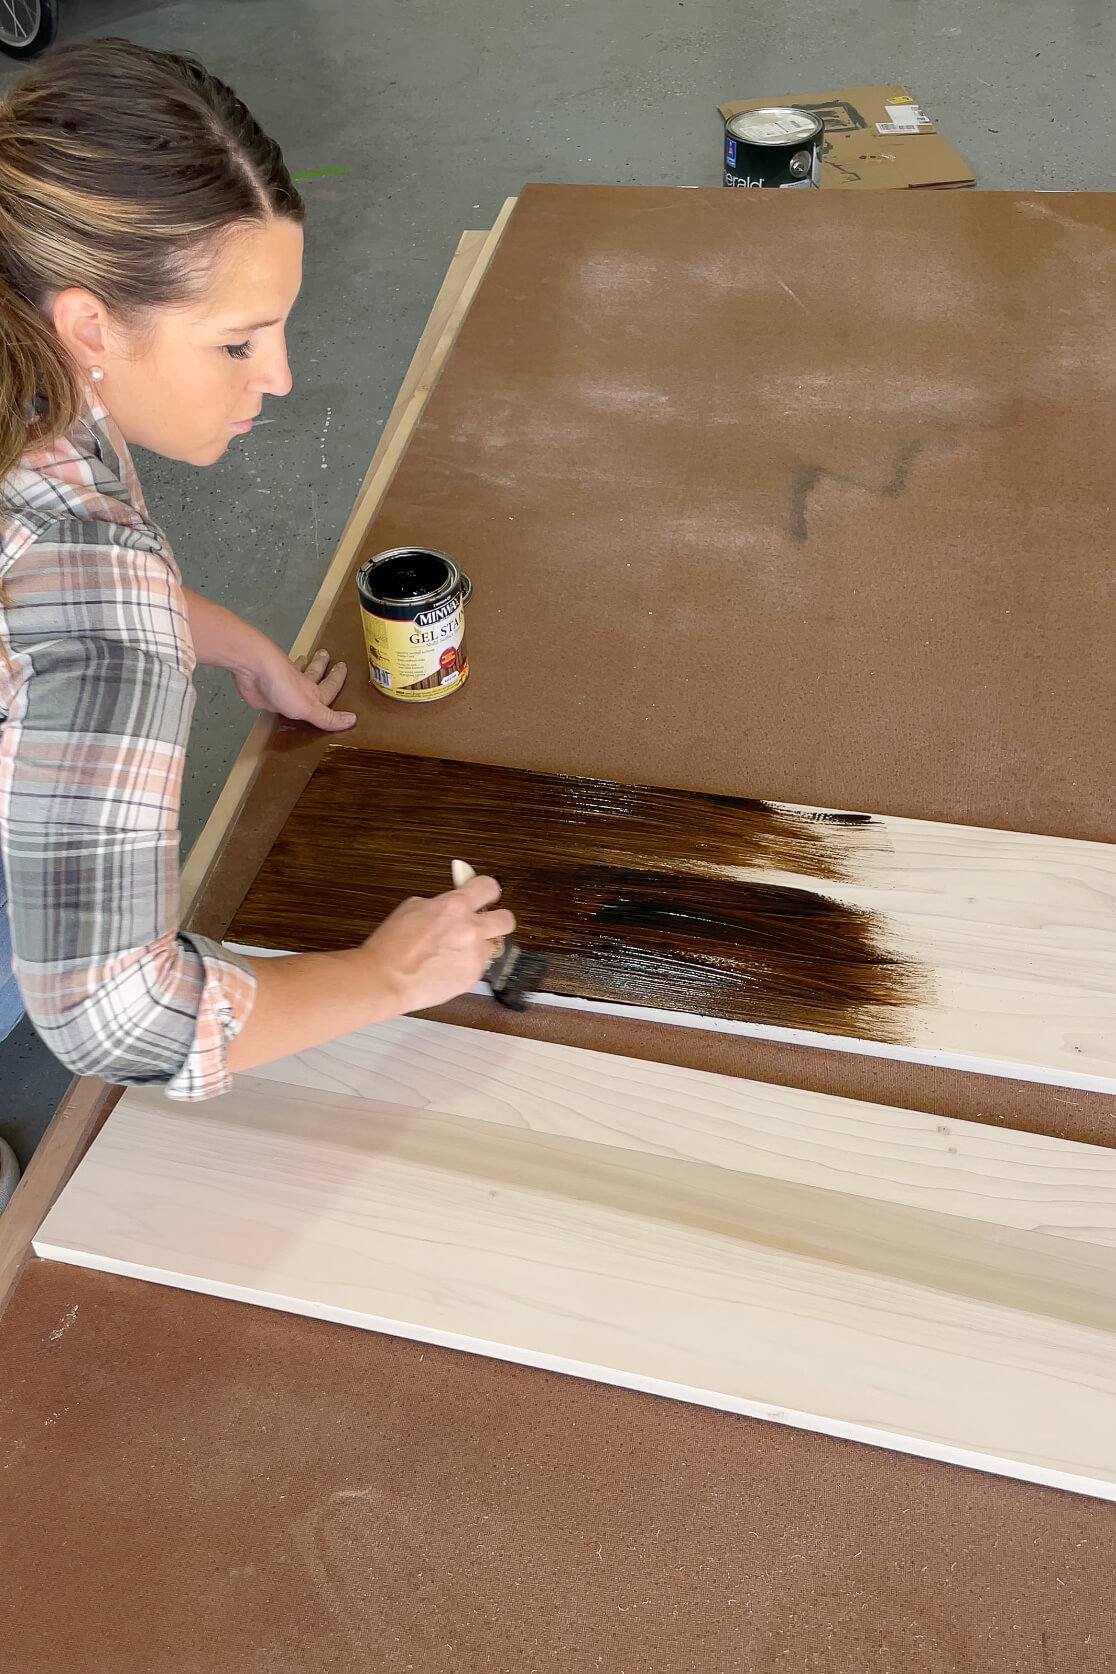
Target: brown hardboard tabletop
(799,495)
(783,495)
(194,1486)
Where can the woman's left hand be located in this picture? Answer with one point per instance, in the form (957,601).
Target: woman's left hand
(299,690)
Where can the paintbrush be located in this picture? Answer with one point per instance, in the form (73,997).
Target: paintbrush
(513,972)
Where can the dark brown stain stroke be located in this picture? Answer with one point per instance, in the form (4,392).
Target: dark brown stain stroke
(617,924)
(753,952)
(590,821)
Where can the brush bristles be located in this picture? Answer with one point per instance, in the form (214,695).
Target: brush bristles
(515,975)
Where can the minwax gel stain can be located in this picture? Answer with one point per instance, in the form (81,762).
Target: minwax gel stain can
(412,604)
(777,146)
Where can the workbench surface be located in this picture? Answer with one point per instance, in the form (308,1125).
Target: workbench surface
(855,451)
(201,1486)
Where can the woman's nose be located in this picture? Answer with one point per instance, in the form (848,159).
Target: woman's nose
(274,378)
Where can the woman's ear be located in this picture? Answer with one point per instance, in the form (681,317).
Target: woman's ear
(83,326)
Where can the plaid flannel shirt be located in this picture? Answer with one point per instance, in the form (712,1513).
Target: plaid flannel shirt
(95,706)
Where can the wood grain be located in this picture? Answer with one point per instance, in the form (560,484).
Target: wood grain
(936,1287)
(995,950)
(585,866)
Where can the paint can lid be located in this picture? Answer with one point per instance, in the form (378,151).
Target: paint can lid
(775,125)
(408,576)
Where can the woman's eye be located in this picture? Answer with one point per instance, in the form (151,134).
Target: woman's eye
(238,351)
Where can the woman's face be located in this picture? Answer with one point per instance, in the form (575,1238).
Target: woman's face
(194,376)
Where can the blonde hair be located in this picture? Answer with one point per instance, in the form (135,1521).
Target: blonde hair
(120,171)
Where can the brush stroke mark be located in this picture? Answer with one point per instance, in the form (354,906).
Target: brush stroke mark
(624,887)
(370,1566)
(754,952)
(886,487)
(593,821)
(825,816)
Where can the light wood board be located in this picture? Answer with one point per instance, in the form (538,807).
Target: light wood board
(1017,933)
(938,1287)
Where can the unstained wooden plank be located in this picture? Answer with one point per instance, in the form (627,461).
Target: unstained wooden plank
(940,1288)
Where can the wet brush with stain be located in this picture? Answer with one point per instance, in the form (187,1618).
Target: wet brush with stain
(513,973)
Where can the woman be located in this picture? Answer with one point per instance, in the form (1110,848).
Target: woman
(150,252)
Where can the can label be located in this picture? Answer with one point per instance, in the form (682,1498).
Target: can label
(803,169)
(421,659)
(773,146)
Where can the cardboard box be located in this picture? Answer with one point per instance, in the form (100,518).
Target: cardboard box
(874,137)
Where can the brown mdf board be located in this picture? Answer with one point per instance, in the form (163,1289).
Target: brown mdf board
(872,1274)
(795,496)
(602,1500)
(867,500)
(952,945)
(202,1486)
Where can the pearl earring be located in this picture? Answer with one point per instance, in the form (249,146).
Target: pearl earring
(96,374)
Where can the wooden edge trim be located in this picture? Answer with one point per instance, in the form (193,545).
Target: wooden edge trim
(88,1101)
(85,1105)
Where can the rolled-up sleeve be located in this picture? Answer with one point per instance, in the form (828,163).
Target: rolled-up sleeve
(91,757)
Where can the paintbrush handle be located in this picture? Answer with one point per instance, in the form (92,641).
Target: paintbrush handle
(461,872)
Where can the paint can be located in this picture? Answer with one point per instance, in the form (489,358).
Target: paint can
(777,146)
(412,605)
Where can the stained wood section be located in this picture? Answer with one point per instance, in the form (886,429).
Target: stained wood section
(629,889)
(862,1272)
(992,950)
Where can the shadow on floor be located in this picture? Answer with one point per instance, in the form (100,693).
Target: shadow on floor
(32,1082)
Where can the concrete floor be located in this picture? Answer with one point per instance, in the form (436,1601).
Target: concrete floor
(437,112)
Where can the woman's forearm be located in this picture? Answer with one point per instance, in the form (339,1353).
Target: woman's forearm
(263,675)
(423,954)
(221,638)
(304,1000)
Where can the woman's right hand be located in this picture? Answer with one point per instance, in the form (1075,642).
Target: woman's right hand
(430,950)
(424,954)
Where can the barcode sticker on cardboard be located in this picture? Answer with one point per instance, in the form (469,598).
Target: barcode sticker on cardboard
(904,115)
